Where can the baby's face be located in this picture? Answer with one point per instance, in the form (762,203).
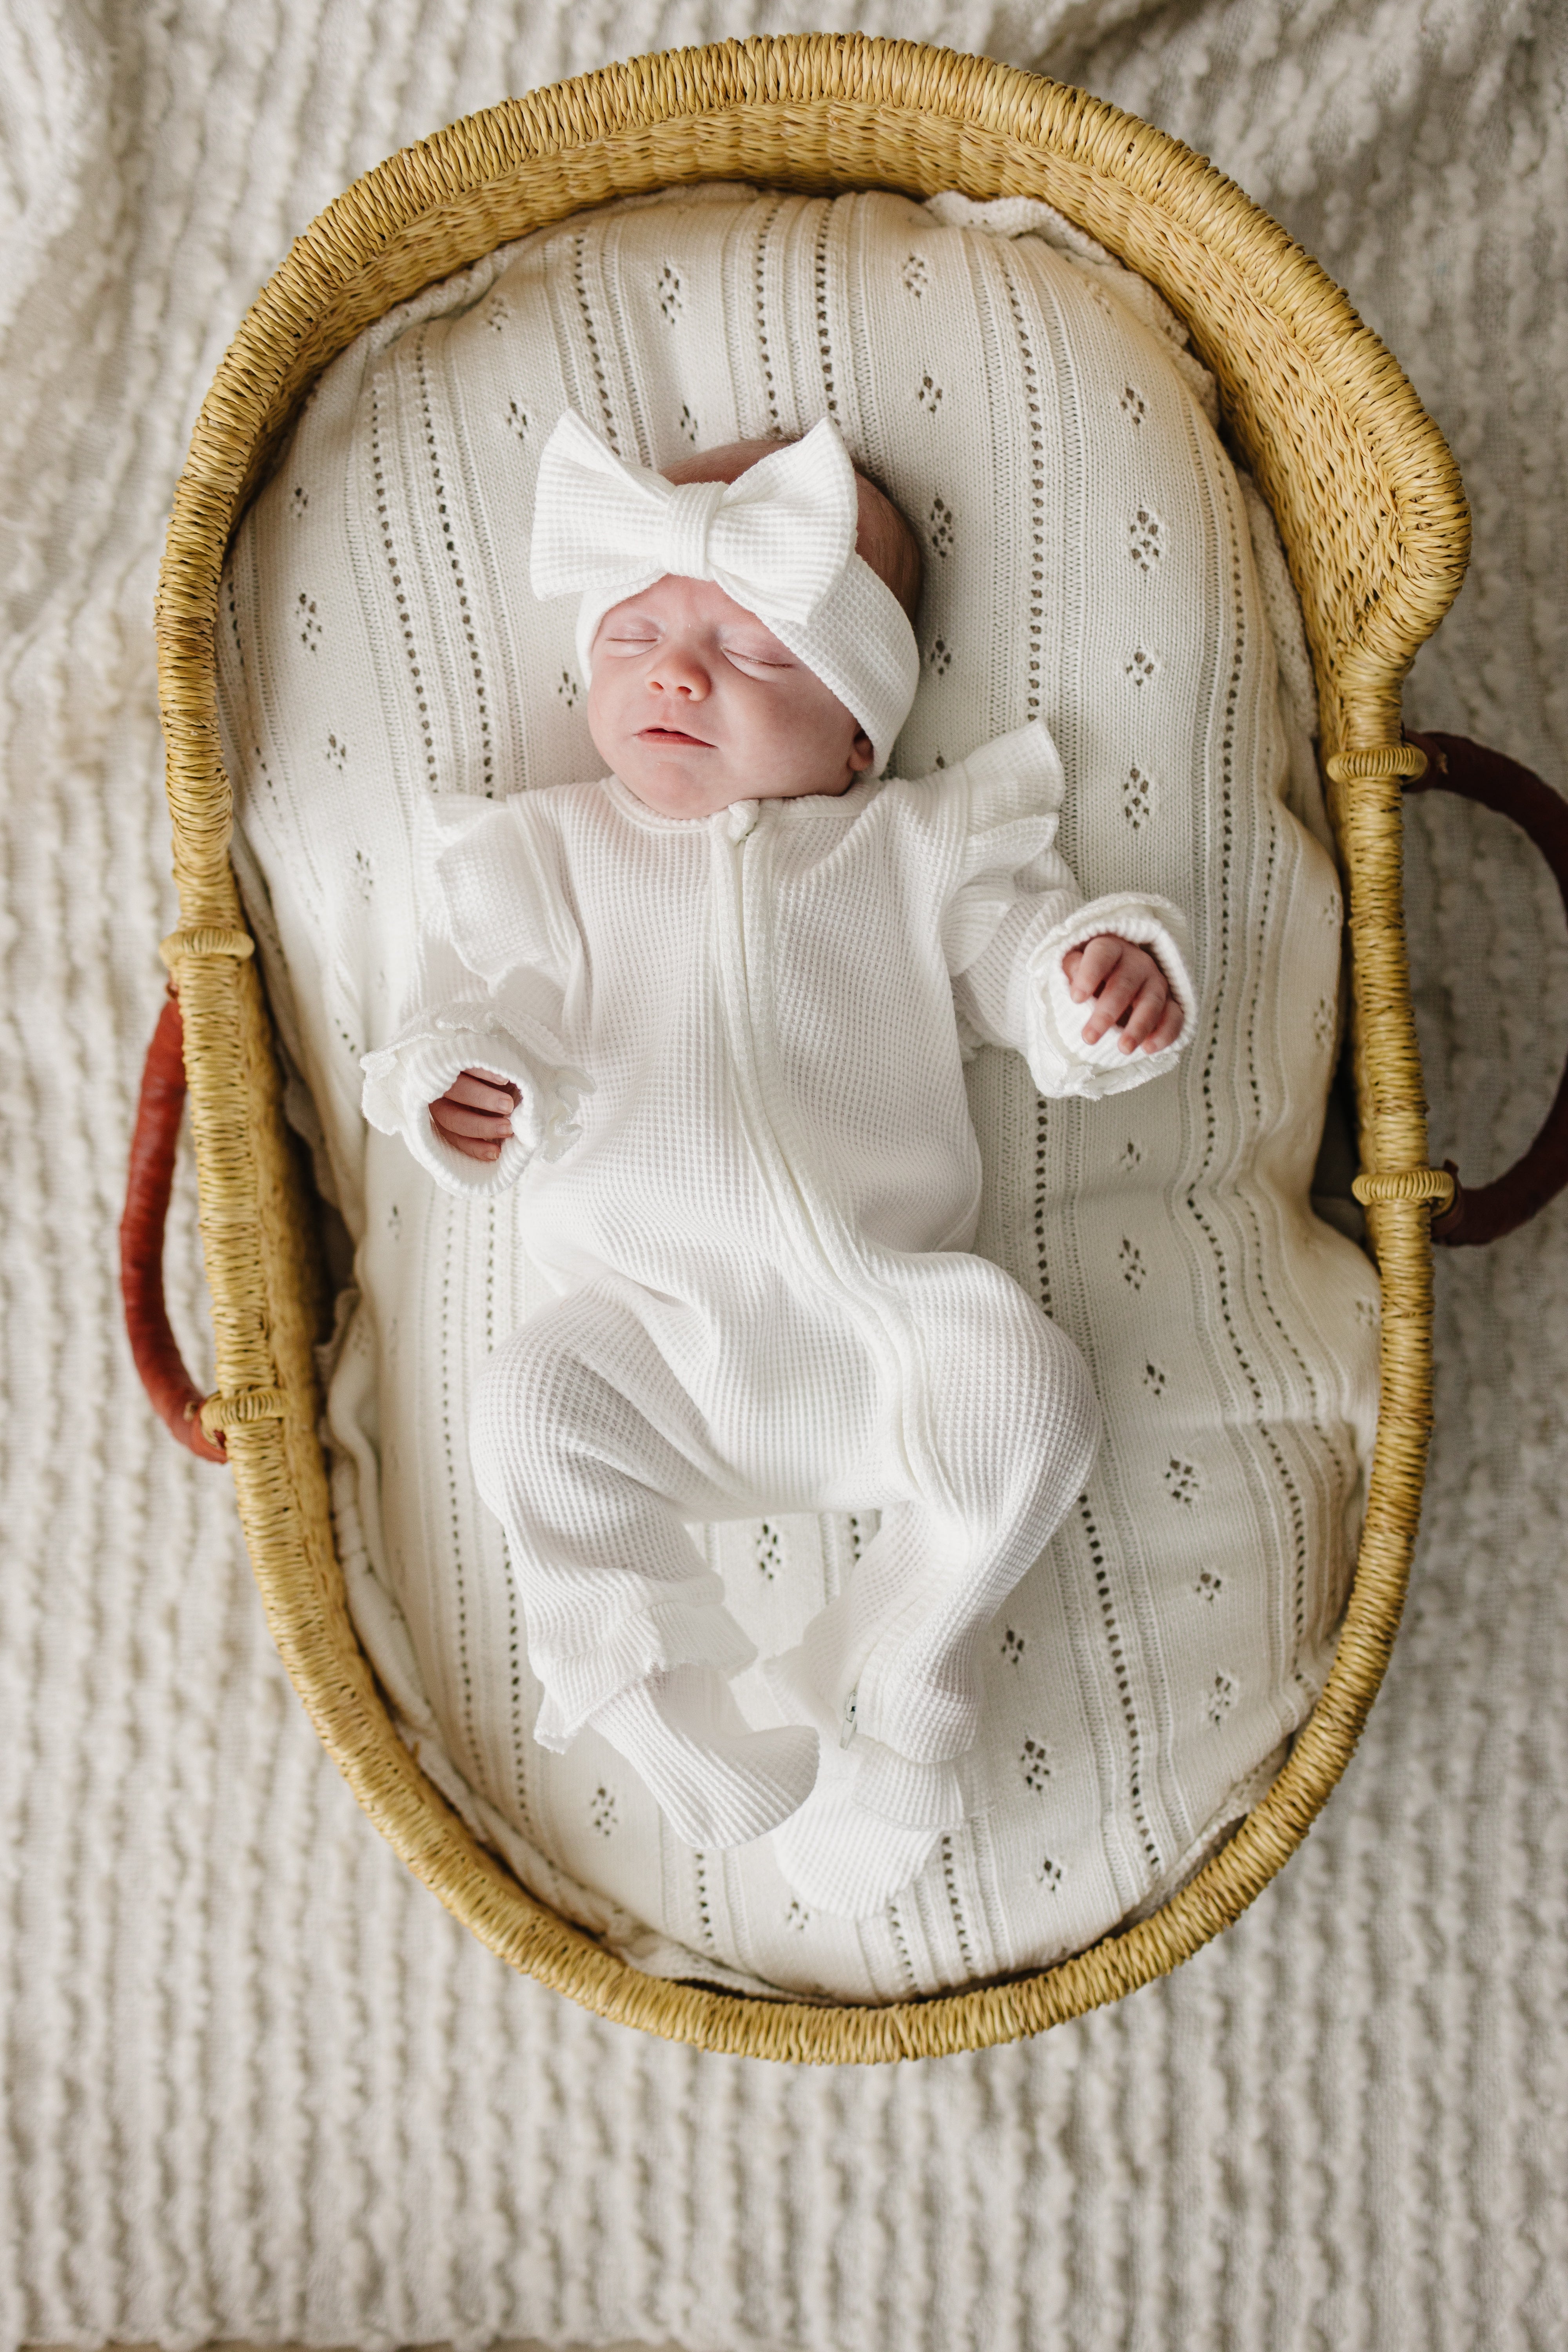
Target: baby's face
(694,703)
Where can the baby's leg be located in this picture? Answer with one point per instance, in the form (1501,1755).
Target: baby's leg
(720,1782)
(1000,1439)
(591,1455)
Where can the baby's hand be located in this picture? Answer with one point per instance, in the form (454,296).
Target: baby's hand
(474,1115)
(1130,994)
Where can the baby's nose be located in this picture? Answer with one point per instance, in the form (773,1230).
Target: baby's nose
(676,672)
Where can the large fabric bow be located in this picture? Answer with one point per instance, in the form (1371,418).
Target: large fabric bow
(776,539)
(780,539)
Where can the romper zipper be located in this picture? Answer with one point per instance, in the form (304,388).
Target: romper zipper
(841,1270)
(733,833)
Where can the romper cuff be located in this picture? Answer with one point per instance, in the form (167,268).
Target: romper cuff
(1045,1016)
(403,1079)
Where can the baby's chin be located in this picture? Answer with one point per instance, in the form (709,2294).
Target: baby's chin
(670,787)
(694,784)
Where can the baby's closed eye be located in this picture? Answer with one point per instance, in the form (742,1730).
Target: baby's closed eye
(750,655)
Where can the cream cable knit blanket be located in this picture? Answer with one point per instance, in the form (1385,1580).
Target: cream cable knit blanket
(256,2082)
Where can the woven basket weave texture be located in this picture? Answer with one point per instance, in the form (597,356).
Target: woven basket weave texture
(1368,503)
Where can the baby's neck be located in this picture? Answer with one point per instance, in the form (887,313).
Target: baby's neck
(693,807)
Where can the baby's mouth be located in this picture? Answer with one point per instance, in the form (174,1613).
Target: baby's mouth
(671,735)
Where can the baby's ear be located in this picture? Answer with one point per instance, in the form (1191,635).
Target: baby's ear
(861,753)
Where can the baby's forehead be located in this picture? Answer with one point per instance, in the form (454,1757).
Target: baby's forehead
(675,601)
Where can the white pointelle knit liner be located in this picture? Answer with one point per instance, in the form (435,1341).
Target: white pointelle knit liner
(780,541)
(1095,575)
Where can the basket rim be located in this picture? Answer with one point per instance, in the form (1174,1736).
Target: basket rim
(615,130)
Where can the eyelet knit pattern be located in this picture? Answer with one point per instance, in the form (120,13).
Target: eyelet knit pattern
(1167,1226)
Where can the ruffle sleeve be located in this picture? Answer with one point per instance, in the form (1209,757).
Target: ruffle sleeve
(1011,792)
(491,884)
(1016,910)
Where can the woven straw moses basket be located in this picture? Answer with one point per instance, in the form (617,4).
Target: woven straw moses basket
(1369,506)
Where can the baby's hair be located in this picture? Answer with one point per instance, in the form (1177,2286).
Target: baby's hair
(883,538)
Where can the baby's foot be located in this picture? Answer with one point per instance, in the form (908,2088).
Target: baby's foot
(845,1862)
(917,1690)
(717,1783)
(868,1830)
(910,1684)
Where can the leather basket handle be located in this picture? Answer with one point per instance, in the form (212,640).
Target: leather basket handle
(176,1397)
(1454,764)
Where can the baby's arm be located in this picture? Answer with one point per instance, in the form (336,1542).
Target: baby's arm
(1096,995)
(480,1077)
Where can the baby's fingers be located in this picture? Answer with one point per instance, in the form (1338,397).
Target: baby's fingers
(1116,997)
(484,1126)
(1155,1019)
(470,1147)
(1169,1028)
(474,1115)
(1089,966)
(1144,1013)
(475,1091)
(477,1134)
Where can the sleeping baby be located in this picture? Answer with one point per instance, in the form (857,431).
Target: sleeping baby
(713,1010)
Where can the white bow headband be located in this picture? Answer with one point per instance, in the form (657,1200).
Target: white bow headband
(780,539)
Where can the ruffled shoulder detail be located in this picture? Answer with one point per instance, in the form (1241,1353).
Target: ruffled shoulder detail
(492,868)
(1012,790)
(1014,775)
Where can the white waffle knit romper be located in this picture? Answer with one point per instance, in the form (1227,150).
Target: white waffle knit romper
(753,1180)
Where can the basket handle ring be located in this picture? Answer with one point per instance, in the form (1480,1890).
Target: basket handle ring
(176,1397)
(1454,764)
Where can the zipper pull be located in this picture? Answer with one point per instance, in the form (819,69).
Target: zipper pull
(741,817)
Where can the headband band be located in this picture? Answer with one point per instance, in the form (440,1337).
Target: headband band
(779,539)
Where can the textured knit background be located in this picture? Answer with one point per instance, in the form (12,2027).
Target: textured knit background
(257,2084)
